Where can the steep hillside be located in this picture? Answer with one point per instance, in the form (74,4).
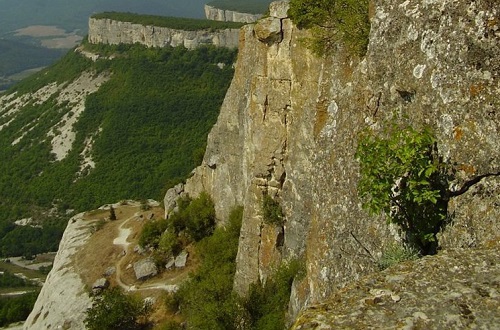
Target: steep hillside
(83,132)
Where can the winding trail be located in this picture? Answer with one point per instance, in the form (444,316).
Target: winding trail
(122,240)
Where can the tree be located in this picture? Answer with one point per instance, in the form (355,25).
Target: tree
(403,177)
(112,214)
(116,310)
(333,22)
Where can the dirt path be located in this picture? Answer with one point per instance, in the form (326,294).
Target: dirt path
(122,241)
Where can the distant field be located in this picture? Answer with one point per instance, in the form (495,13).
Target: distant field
(189,24)
(252,6)
(71,15)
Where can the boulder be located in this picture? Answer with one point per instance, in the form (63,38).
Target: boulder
(170,263)
(171,197)
(145,268)
(100,285)
(181,259)
(268,30)
(139,250)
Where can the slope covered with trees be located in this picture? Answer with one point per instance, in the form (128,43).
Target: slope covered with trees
(150,121)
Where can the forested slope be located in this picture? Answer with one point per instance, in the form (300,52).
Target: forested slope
(143,130)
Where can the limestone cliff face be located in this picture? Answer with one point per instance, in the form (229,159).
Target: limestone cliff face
(223,15)
(113,32)
(64,297)
(290,121)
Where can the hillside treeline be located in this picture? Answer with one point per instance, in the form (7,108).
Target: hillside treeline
(150,123)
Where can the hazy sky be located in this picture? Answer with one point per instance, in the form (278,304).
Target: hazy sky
(73,14)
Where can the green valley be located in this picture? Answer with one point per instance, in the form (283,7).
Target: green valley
(142,131)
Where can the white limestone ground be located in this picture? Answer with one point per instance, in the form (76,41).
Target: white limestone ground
(75,93)
(50,311)
(87,163)
(10,104)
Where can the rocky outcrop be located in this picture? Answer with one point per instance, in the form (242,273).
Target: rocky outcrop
(113,32)
(458,289)
(50,311)
(223,15)
(290,122)
(145,269)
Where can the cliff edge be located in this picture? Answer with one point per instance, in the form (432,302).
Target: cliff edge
(113,32)
(290,123)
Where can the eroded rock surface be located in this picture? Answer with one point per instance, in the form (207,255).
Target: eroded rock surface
(113,32)
(224,15)
(50,310)
(458,289)
(290,123)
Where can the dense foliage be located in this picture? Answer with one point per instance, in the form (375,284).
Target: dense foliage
(16,308)
(272,212)
(178,23)
(403,177)
(266,304)
(242,6)
(333,22)
(9,280)
(194,220)
(149,121)
(116,310)
(207,300)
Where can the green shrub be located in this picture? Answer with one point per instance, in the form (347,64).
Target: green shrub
(272,212)
(267,304)
(151,233)
(200,216)
(403,177)
(116,310)
(333,22)
(207,300)
(395,254)
(169,243)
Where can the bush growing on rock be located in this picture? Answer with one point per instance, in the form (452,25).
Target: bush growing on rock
(403,177)
(333,22)
(272,212)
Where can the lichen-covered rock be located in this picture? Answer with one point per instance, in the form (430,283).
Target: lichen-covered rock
(290,123)
(268,30)
(458,289)
(113,32)
(181,259)
(145,269)
(64,298)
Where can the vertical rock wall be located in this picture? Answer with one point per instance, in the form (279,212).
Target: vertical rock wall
(223,15)
(290,122)
(113,32)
